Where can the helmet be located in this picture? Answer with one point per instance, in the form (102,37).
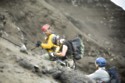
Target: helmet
(55,38)
(101,62)
(45,27)
(62,41)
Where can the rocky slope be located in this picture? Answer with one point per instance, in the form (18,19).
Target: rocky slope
(101,24)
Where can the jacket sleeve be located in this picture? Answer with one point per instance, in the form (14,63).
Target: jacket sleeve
(49,43)
(95,75)
(92,76)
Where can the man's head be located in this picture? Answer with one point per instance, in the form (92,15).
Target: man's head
(100,62)
(58,40)
(62,40)
(46,29)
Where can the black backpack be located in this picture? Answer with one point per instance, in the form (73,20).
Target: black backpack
(77,48)
(114,75)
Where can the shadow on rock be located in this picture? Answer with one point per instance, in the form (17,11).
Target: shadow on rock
(25,63)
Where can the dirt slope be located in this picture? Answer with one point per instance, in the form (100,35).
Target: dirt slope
(100,23)
(11,71)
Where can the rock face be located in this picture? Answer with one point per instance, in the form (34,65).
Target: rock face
(99,22)
(102,22)
(71,76)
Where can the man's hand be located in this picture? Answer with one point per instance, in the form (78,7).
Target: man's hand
(38,43)
(52,54)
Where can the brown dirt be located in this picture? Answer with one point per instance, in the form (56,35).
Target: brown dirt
(101,24)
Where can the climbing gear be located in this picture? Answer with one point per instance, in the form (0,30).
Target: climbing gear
(101,62)
(45,27)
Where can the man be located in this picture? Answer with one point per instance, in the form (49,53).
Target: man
(65,53)
(48,44)
(100,75)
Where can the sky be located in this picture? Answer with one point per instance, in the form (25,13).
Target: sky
(120,3)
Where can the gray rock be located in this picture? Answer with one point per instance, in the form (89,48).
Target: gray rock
(66,75)
(25,63)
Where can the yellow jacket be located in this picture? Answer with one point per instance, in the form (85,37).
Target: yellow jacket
(49,45)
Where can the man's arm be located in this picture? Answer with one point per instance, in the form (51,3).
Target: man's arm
(93,75)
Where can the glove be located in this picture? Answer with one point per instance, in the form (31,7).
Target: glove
(38,43)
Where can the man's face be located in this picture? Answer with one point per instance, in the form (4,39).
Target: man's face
(96,65)
(48,31)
